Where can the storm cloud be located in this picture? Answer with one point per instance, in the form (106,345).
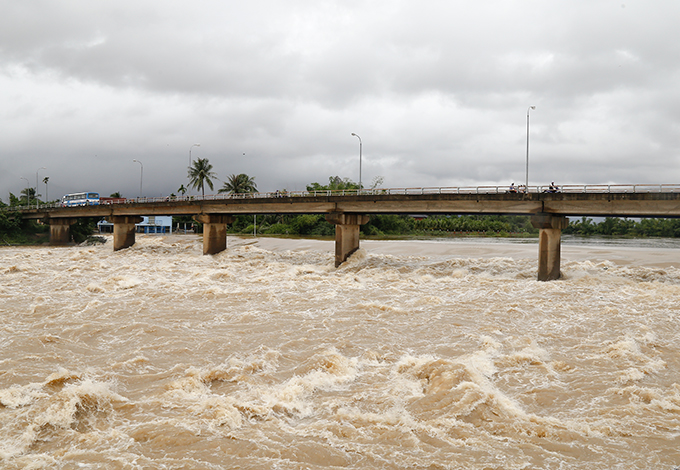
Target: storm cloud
(438,91)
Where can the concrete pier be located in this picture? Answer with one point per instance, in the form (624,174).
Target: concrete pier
(347,228)
(60,230)
(549,244)
(214,231)
(124,230)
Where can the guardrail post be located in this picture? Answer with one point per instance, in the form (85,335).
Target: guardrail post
(549,244)
(347,228)
(214,231)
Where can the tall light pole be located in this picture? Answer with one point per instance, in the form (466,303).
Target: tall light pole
(360,145)
(195,145)
(27,183)
(36,185)
(141,176)
(526,187)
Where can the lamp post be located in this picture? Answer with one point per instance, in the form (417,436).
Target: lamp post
(141,176)
(526,187)
(195,145)
(360,145)
(36,185)
(27,183)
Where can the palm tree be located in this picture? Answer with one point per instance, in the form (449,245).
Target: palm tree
(29,194)
(239,184)
(201,174)
(182,190)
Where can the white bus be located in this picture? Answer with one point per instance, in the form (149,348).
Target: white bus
(80,199)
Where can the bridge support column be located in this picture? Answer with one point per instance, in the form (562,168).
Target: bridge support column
(124,230)
(60,231)
(346,234)
(549,244)
(214,232)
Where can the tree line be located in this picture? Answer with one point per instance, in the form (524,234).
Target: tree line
(615,226)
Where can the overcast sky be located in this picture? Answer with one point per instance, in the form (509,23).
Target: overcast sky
(438,91)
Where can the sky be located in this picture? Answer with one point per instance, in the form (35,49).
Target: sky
(437,91)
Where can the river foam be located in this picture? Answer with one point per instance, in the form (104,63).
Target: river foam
(266,356)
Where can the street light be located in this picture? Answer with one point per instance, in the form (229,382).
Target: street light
(141,176)
(27,183)
(195,145)
(36,185)
(360,145)
(526,187)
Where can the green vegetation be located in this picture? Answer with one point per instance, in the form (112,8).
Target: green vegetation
(389,225)
(201,174)
(614,226)
(239,184)
(335,183)
(14,230)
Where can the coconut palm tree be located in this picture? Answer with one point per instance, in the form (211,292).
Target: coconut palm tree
(239,184)
(29,195)
(200,174)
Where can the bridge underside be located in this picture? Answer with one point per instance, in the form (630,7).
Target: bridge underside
(347,228)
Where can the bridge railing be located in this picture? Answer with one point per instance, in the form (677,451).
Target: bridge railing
(567,188)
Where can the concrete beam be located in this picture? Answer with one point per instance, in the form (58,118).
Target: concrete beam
(124,230)
(60,230)
(347,228)
(214,231)
(549,244)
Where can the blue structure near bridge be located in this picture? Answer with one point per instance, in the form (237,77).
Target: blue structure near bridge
(150,224)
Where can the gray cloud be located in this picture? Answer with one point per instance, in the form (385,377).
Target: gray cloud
(437,90)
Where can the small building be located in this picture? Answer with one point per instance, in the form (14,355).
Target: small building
(150,224)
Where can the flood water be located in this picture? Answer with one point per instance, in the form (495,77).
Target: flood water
(418,355)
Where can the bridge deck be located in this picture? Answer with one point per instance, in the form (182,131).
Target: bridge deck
(566,203)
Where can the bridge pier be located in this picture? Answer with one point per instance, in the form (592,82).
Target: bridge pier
(124,230)
(214,231)
(549,244)
(347,228)
(60,231)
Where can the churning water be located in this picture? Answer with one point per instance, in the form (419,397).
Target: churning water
(159,357)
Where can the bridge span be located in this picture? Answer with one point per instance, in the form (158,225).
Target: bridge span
(348,210)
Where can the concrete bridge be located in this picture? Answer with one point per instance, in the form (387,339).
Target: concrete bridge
(348,210)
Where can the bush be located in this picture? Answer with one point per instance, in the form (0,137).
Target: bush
(305,224)
(279,229)
(390,224)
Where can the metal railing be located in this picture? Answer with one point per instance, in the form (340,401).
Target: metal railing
(569,188)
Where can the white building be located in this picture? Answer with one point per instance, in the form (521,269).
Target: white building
(150,224)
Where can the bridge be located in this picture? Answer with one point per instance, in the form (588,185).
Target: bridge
(349,209)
